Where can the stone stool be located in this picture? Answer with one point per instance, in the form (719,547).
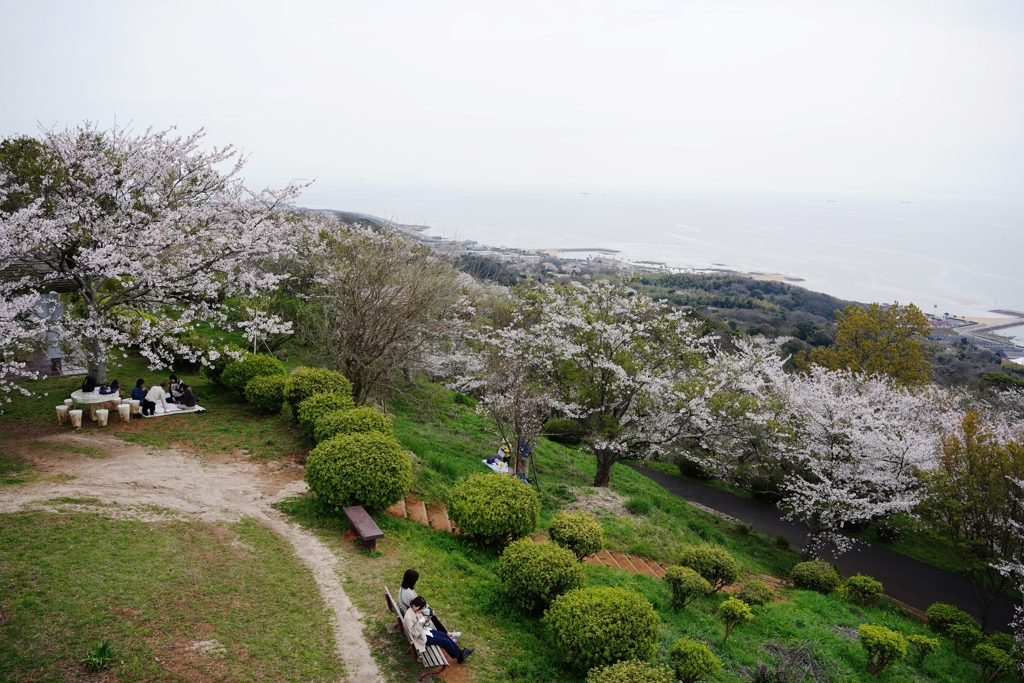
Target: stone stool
(101,417)
(62,414)
(124,411)
(135,406)
(76,418)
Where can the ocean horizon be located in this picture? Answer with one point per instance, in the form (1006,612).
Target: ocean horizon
(960,256)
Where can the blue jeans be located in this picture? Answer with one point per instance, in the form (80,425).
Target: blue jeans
(444,642)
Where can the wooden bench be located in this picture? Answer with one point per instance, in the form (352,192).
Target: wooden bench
(364,526)
(432,657)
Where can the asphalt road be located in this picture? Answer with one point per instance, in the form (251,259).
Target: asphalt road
(908,580)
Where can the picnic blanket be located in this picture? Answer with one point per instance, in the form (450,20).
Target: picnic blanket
(499,467)
(174,410)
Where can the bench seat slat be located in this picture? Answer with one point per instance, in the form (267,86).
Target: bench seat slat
(362,523)
(432,656)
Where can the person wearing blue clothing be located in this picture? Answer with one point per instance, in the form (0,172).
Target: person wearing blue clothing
(139,392)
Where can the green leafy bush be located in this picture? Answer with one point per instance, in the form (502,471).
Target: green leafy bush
(632,671)
(266,394)
(215,370)
(638,506)
(319,405)
(966,636)
(1004,641)
(568,432)
(693,660)
(494,508)
(712,562)
(884,646)
(237,375)
(734,612)
(534,574)
(368,469)
(756,592)
(942,615)
(862,590)
(687,585)
(989,658)
(923,645)
(818,575)
(305,382)
(351,422)
(600,626)
(577,531)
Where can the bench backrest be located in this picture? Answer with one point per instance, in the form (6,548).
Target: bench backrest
(393,606)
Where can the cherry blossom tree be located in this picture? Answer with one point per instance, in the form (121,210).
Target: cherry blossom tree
(616,362)
(837,448)
(146,233)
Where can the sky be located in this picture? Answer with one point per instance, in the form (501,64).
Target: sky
(893,96)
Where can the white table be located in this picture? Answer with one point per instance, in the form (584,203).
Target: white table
(93,399)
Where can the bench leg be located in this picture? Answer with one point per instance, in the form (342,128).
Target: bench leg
(370,545)
(432,671)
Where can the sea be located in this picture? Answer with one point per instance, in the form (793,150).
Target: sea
(958,255)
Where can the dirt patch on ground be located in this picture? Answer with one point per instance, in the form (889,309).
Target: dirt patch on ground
(600,501)
(152,484)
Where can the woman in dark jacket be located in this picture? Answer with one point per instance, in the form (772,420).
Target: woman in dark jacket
(188,397)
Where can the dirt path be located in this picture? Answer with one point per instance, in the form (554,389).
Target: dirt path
(221,489)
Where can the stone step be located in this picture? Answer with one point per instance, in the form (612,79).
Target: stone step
(624,562)
(607,560)
(437,515)
(397,510)
(643,565)
(416,510)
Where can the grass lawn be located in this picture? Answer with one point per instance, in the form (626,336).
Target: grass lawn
(71,580)
(228,425)
(459,579)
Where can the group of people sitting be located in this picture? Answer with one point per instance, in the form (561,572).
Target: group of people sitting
(422,625)
(165,395)
(503,458)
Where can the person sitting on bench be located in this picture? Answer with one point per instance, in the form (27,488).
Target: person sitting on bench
(417,626)
(406,595)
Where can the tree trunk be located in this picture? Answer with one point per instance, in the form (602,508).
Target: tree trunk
(605,461)
(96,362)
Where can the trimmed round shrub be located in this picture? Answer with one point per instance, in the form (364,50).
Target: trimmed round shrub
(884,646)
(712,562)
(756,592)
(237,375)
(965,636)
(353,421)
(1004,641)
(568,432)
(818,575)
(318,405)
(368,469)
(734,612)
(862,590)
(305,382)
(686,584)
(266,394)
(942,615)
(923,645)
(534,574)
(494,508)
(215,370)
(633,671)
(989,658)
(600,626)
(693,660)
(577,531)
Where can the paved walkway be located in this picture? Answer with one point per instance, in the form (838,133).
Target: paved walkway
(908,580)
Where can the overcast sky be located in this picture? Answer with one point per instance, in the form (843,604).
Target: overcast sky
(902,96)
